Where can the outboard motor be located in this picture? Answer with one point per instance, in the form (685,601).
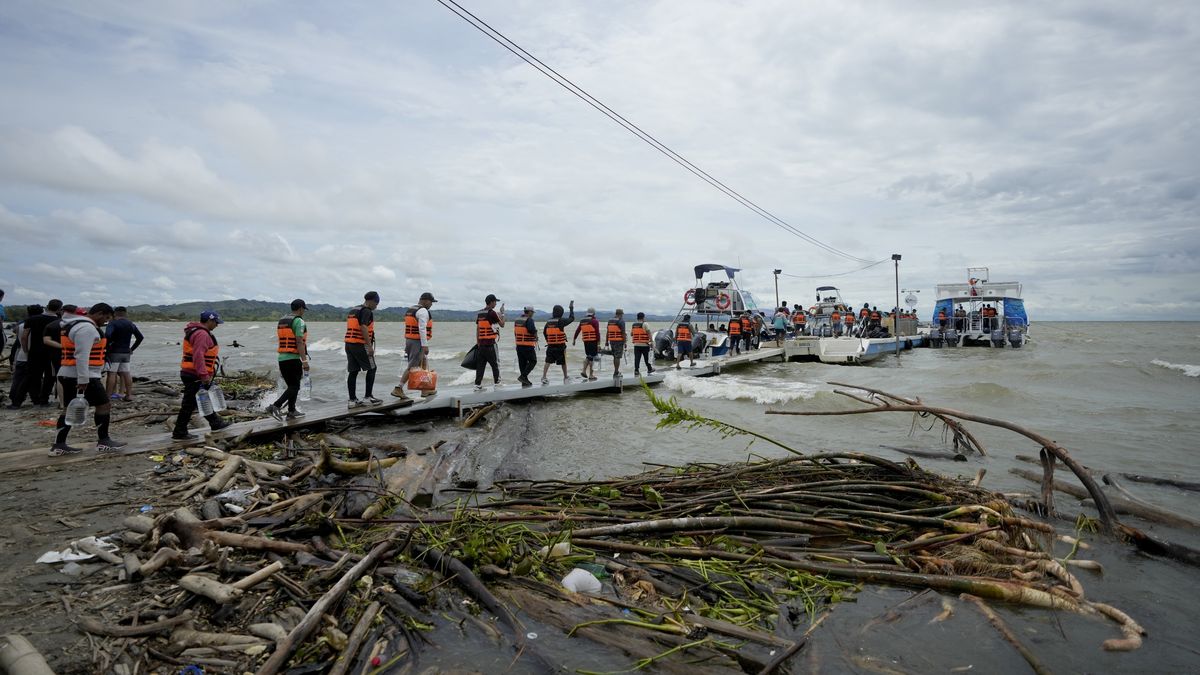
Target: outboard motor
(935,339)
(699,341)
(997,338)
(662,344)
(1015,337)
(951,338)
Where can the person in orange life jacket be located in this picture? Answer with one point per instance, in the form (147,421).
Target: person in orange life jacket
(82,348)
(835,320)
(590,327)
(196,370)
(418,331)
(292,336)
(848,319)
(752,329)
(640,334)
(51,336)
(614,338)
(875,318)
(735,336)
(525,336)
(683,341)
(360,350)
(555,332)
(486,321)
(942,319)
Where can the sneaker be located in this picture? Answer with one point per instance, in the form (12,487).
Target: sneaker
(185,436)
(479,387)
(60,449)
(637,373)
(295,414)
(218,425)
(109,445)
(275,412)
(398,392)
(371,400)
(649,371)
(526,383)
(677,367)
(592,378)
(545,381)
(355,403)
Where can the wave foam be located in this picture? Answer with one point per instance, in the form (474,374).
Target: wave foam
(763,390)
(331,345)
(1185,368)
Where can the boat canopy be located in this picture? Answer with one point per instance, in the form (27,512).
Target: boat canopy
(712,267)
(981,290)
(826,288)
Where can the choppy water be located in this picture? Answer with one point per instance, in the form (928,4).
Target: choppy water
(1122,397)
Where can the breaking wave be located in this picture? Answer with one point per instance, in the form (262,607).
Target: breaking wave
(331,345)
(1186,369)
(766,390)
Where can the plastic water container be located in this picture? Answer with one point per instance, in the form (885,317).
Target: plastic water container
(581,581)
(76,413)
(204,403)
(217,396)
(306,387)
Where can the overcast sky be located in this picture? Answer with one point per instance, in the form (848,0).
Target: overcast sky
(169,151)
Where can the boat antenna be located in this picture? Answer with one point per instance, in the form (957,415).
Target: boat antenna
(502,40)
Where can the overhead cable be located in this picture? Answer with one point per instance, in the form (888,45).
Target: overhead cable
(483,27)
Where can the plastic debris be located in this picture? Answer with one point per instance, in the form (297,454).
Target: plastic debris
(581,581)
(238,496)
(146,508)
(157,458)
(559,550)
(71,553)
(233,508)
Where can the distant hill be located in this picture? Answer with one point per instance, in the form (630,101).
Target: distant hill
(260,310)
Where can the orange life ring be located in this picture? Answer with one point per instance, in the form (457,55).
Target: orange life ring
(689,298)
(727,301)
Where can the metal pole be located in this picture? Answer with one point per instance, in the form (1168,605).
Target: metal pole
(777,288)
(896,309)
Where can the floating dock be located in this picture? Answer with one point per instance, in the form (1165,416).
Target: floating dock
(450,398)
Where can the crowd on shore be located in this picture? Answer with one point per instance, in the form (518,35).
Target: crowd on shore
(68,352)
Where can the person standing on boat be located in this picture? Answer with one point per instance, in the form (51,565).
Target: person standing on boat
(735,336)
(292,336)
(942,320)
(486,322)
(418,331)
(683,341)
(614,339)
(835,323)
(848,319)
(641,344)
(360,350)
(555,332)
(590,328)
(960,318)
(525,335)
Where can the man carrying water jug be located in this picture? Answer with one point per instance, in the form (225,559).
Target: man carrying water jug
(196,370)
(83,345)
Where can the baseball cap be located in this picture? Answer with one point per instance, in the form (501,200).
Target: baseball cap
(528,308)
(209,315)
(428,296)
(491,298)
(591,311)
(298,304)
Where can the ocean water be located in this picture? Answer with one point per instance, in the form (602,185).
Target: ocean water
(1121,397)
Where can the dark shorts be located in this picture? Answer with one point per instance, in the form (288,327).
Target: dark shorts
(683,348)
(357,358)
(591,350)
(618,349)
(414,352)
(556,354)
(94,394)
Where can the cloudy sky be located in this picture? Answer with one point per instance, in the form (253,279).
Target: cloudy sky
(160,152)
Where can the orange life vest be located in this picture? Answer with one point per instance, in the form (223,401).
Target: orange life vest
(799,318)
(735,326)
(836,317)
(555,335)
(614,331)
(683,333)
(524,336)
(485,334)
(412,327)
(210,356)
(849,318)
(287,337)
(641,336)
(588,329)
(354,330)
(747,325)
(95,356)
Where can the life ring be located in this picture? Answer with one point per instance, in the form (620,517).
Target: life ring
(689,298)
(723,301)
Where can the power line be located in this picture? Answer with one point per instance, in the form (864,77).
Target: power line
(840,274)
(483,27)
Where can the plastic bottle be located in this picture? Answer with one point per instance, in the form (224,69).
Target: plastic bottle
(217,396)
(204,403)
(76,413)
(306,387)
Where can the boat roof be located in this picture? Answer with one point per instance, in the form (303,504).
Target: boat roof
(826,288)
(984,290)
(712,267)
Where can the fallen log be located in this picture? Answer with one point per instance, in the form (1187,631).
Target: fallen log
(18,656)
(221,478)
(165,625)
(161,558)
(1005,632)
(258,577)
(214,590)
(478,415)
(329,464)
(186,638)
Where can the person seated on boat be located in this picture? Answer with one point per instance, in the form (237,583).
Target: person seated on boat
(835,321)
(722,329)
(875,318)
(683,341)
(848,319)
(712,328)
(864,315)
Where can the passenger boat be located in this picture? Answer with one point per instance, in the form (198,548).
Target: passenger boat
(980,312)
(835,346)
(712,301)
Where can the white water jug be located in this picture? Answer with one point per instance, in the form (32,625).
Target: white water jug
(76,413)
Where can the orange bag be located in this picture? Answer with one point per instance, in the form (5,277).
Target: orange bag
(422,380)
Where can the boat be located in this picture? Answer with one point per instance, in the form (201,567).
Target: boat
(711,303)
(832,345)
(980,312)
